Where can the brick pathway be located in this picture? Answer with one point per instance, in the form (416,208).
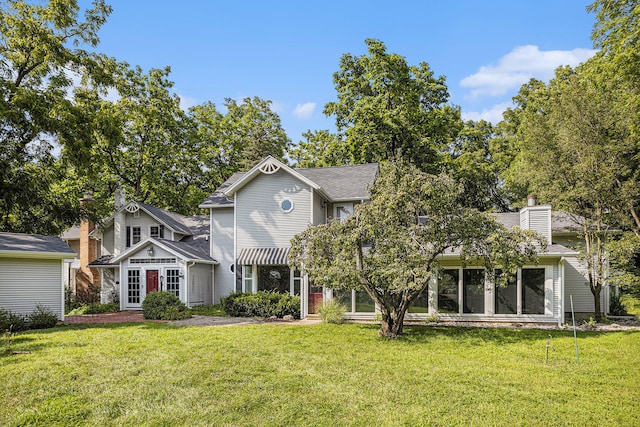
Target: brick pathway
(122,316)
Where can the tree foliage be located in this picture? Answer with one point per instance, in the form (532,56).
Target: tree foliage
(387,108)
(39,113)
(575,150)
(393,246)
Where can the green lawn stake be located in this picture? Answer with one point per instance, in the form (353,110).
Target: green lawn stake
(573,319)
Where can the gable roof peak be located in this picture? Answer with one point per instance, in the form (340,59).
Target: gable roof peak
(268,166)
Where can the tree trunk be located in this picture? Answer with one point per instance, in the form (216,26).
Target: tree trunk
(596,302)
(392,323)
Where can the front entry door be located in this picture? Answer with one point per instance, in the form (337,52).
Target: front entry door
(152,281)
(315,299)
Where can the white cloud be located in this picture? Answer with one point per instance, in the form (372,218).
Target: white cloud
(493,114)
(304,111)
(518,66)
(186,102)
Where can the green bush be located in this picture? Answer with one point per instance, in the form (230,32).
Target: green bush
(616,307)
(164,306)
(42,318)
(332,312)
(13,322)
(262,304)
(95,309)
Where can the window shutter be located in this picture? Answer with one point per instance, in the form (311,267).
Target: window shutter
(128,237)
(161,231)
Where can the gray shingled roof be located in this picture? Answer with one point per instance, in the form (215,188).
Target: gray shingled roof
(34,243)
(340,183)
(173,220)
(343,183)
(218,198)
(188,250)
(71,233)
(104,260)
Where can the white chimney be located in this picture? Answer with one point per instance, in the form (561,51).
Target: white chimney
(119,198)
(532,200)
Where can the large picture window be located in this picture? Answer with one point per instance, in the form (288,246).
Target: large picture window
(448,295)
(473,290)
(274,278)
(133,286)
(173,282)
(506,296)
(533,290)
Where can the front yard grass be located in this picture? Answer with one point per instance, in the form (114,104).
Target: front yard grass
(319,375)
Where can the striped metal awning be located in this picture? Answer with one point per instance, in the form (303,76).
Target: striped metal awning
(263,256)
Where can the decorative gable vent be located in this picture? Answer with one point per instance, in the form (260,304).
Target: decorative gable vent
(132,208)
(269,167)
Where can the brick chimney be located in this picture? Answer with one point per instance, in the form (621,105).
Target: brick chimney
(88,251)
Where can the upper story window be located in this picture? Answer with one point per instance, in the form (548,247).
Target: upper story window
(157,231)
(133,235)
(343,211)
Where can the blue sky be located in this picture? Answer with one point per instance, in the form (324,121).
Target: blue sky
(287,51)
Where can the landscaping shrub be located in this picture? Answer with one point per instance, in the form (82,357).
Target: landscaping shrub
(164,306)
(41,318)
(262,304)
(332,312)
(616,307)
(10,321)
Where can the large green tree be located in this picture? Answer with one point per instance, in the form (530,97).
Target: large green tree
(40,114)
(575,150)
(392,247)
(387,108)
(144,144)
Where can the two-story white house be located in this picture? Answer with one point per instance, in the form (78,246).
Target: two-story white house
(254,215)
(243,245)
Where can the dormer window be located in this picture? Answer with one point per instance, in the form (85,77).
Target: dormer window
(157,231)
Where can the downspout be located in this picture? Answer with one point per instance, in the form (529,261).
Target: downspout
(213,283)
(186,282)
(561,293)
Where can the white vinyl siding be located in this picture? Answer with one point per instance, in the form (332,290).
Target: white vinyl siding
(260,221)
(200,286)
(576,285)
(25,283)
(319,216)
(538,219)
(222,251)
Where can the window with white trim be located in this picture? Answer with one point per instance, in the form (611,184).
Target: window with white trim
(247,278)
(296,282)
(133,235)
(173,281)
(156,231)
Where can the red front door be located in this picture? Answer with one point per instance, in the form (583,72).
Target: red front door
(152,281)
(315,299)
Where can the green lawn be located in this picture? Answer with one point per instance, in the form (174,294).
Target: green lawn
(327,375)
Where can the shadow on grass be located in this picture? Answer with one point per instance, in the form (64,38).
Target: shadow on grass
(419,334)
